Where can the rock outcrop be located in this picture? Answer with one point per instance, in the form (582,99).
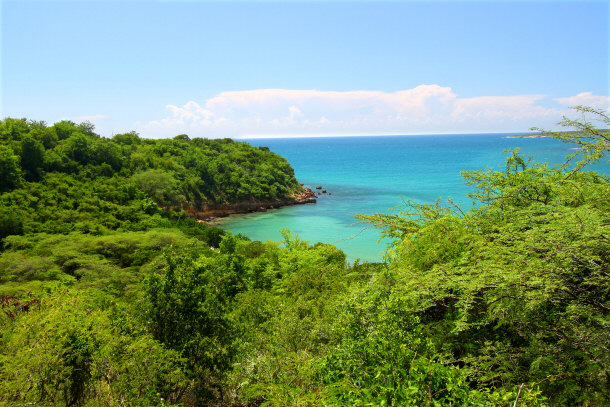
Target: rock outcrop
(210,212)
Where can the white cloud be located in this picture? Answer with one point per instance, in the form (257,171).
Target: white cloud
(191,114)
(500,108)
(423,109)
(586,99)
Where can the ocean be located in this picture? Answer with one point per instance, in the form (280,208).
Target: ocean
(366,175)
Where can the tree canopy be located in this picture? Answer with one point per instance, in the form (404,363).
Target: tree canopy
(64,177)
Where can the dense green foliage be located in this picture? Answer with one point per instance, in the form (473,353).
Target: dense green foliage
(517,291)
(127,302)
(64,178)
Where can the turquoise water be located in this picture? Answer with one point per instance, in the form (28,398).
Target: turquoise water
(374,174)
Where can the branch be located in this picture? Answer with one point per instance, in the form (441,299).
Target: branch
(518,395)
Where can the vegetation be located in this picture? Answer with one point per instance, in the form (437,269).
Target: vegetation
(111,296)
(64,178)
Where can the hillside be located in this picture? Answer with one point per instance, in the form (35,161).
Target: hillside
(64,177)
(111,295)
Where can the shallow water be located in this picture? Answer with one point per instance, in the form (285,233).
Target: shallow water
(373,174)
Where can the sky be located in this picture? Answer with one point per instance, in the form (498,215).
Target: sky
(303,68)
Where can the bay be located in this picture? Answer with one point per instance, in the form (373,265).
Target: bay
(366,175)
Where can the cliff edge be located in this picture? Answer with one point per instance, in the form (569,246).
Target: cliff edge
(212,211)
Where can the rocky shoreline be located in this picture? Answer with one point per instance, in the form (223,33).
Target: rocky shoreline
(211,212)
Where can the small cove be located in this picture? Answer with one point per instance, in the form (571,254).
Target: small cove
(366,175)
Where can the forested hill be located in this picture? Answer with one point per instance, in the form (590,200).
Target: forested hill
(67,172)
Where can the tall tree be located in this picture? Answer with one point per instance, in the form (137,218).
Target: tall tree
(10,171)
(32,156)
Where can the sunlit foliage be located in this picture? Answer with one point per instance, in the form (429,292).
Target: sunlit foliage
(110,295)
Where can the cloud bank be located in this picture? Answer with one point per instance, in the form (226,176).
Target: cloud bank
(423,109)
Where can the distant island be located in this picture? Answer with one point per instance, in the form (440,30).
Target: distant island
(550,134)
(536,135)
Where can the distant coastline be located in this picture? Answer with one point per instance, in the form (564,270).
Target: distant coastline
(537,135)
(550,134)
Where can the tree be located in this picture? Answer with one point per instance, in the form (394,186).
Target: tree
(63,350)
(32,157)
(517,290)
(187,311)
(106,152)
(65,129)
(159,185)
(11,223)
(13,129)
(131,138)
(79,148)
(10,171)
(593,143)
(46,135)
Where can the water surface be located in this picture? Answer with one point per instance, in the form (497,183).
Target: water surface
(367,175)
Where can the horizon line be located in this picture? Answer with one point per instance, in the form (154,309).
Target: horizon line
(345,135)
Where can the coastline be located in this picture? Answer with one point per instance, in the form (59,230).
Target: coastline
(529,136)
(211,212)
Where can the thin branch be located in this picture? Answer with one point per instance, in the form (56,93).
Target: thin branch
(518,395)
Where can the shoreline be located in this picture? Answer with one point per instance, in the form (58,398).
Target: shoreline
(212,212)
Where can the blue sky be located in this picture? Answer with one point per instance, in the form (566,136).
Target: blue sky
(232,69)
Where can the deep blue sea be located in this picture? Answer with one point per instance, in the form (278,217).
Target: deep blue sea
(366,175)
